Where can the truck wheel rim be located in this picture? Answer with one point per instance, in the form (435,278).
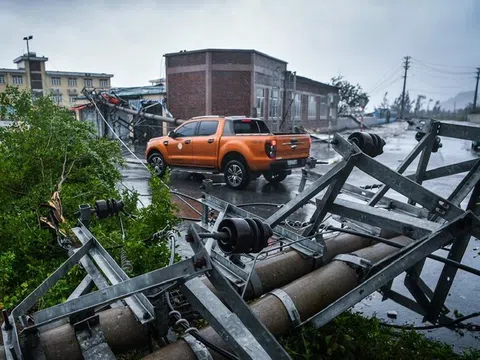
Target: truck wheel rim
(235,175)
(157,164)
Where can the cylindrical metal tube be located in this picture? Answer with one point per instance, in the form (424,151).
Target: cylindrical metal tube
(123,332)
(120,328)
(310,294)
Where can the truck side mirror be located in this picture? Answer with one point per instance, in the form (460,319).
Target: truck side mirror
(171,134)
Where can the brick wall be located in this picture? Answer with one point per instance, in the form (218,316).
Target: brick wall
(185,60)
(231,58)
(186,94)
(313,88)
(231,92)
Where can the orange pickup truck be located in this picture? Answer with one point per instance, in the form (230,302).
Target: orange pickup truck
(241,148)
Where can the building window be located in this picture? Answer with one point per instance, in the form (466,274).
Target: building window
(88,82)
(2,79)
(323,107)
(103,83)
(57,98)
(297,104)
(312,107)
(17,79)
(72,98)
(56,81)
(72,82)
(260,102)
(274,108)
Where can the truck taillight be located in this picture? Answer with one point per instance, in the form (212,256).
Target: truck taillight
(271,148)
(310,140)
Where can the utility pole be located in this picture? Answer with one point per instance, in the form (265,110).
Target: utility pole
(476,91)
(405,66)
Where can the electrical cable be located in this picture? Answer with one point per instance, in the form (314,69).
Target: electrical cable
(184,323)
(135,156)
(443,71)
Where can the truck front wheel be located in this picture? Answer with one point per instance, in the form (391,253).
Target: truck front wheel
(236,175)
(275,178)
(156,161)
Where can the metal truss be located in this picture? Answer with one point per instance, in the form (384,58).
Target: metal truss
(236,324)
(430,220)
(437,223)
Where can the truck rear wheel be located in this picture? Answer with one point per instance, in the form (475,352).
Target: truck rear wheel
(275,178)
(236,175)
(156,161)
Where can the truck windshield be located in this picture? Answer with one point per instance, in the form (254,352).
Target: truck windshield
(249,127)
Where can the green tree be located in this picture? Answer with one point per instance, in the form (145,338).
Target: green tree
(45,151)
(397,105)
(351,96)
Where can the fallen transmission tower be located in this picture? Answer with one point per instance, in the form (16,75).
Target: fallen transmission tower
(230,268)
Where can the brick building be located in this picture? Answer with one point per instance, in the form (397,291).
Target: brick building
(247,82)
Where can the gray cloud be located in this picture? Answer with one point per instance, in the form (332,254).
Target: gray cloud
(363,40)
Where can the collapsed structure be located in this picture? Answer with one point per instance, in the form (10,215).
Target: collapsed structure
(299,277)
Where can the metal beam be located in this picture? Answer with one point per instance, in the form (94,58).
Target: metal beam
(456,253)
(303,198)
(399,183)
(138,303)
(363,194)
(458,130)
(400,169)
(324,204)
(410,254)
(448,170)
(399,223)
(181,270)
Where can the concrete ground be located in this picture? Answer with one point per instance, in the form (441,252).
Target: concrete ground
(465,291)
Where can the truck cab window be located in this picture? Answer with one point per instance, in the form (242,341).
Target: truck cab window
(186,130)
(250,127)
(207,128)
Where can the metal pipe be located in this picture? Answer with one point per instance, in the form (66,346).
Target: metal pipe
(310,294)
(144,114)
(123,332)
(120,328)
(447,261)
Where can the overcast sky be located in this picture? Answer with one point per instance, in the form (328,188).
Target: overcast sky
(364,40)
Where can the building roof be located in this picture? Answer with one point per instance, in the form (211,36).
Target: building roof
(18,71)
(223,50)
(75,73)
(33,56)
(139,91)
(317,83)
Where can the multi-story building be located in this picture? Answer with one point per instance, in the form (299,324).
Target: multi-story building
(250,83)
(63,86)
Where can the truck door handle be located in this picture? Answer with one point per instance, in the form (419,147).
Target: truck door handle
(210,141)
(187,141)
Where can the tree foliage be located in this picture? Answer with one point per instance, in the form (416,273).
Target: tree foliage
(47,150)
(351,96)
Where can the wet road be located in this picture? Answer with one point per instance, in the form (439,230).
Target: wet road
(465,291)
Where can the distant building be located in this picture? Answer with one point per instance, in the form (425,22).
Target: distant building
(64,86)
(250,83)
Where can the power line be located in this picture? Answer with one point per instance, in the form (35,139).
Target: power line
(385,86)
(442,71)
(443,65)
(387,76)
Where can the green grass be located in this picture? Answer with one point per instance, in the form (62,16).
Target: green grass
(351,336)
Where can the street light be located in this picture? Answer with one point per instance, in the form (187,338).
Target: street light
(26,38)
